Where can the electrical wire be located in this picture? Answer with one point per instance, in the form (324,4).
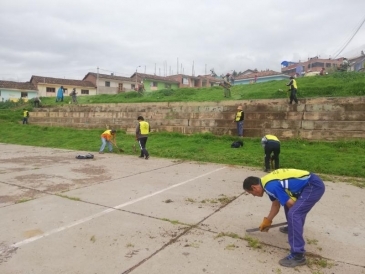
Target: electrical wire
(352,37)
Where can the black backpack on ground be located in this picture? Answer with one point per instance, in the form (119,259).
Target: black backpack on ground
(237,144)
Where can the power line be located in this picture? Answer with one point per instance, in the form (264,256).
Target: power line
(350,38)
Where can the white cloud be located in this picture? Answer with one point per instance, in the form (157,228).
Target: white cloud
(70,38)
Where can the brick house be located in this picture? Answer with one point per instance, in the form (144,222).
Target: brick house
(314,64)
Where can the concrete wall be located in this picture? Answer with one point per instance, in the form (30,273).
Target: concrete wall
(321,118)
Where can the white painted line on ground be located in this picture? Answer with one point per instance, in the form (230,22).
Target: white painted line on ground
(81,221)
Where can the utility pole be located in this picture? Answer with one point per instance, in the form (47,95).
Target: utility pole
(136,87)
(97,80)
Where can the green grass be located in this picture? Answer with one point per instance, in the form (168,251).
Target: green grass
(333,158)
(340,158)
(338,84)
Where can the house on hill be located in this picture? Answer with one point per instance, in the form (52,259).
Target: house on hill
(313,64)
(13,91)
(259,77)
(187,81)
(357,63)
(110,84)
(154,82)
(48,86)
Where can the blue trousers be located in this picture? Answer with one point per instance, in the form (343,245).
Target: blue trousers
(296,215)
(103,144)
(240,128)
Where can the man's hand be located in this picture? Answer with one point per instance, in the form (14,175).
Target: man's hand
(264,227)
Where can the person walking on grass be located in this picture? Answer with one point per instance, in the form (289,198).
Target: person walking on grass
(293,90)
(108,137)
(142,131)
(297,191)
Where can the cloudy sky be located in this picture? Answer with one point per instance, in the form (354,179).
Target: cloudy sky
(68,39)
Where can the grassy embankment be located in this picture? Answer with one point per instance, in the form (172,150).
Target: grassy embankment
(342,158)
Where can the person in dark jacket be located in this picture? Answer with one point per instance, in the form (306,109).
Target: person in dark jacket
(293,90)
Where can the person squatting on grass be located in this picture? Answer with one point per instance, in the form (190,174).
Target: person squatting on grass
(142,131)
(293,90)
(298,191)
(271,144)
(108,137)
(239,118)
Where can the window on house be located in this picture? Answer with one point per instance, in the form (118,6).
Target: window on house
(84,91)
(167,85)
(24,94)
(328,65)
(107,84)
(154,84)
(50,89)
(133,86)
(185,81)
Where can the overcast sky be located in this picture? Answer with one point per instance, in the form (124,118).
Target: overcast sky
(68,39)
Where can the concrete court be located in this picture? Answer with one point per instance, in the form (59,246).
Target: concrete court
(121,214)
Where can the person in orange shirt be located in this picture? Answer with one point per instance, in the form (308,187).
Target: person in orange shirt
(108,137)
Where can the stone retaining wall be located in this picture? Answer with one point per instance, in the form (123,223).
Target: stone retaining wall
(319,118)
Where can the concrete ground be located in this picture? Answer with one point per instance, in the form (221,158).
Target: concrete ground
(121,214)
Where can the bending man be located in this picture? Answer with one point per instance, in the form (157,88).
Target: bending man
(298,191)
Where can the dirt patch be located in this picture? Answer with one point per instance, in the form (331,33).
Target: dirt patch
(90,170)
(23,197)
(37,160)
(6,252)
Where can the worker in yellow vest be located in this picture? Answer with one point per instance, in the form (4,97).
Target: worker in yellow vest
(25,116)
(297,191)
(142,131)
(239,119)
(293,90)
(107,137)
(271,144)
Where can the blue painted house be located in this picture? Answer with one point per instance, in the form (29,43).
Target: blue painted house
(259,77)
(13,91)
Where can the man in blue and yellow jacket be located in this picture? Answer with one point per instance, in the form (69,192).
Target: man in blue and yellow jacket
(298,191)
(142,131)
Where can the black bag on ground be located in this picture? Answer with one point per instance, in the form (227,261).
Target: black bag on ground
(87,156)
(237,144)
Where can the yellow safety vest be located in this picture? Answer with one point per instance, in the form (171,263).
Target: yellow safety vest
(144,127)
(238,115)
(295,84)
(283,175)
(271,138)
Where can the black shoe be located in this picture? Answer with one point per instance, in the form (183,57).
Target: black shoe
(147,157)
(141,156)
(293,260)
(267,170)
(284,229)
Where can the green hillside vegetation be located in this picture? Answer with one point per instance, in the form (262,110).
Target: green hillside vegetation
(332,158)
(332,85)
